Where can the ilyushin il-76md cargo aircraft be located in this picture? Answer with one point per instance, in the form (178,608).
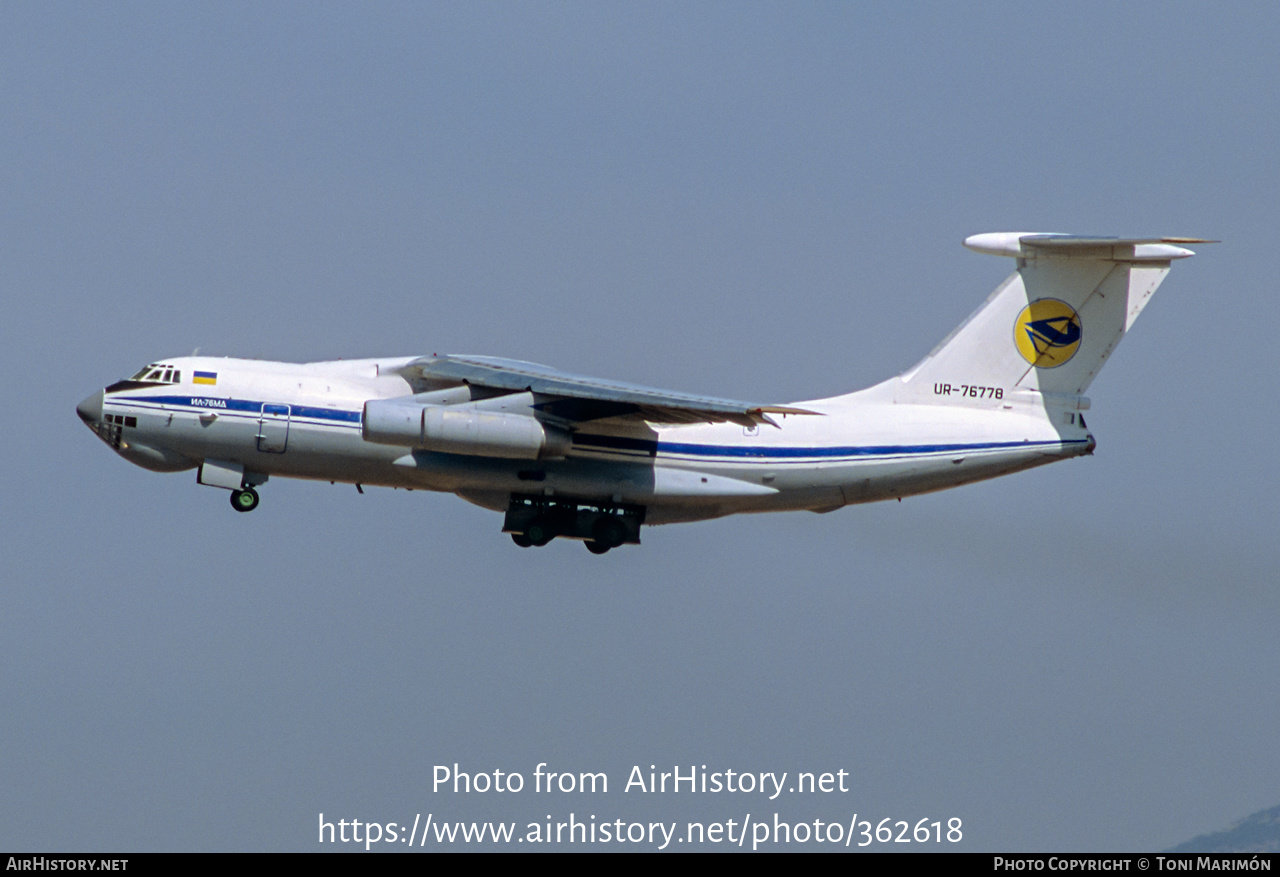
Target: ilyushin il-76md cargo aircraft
(574,457)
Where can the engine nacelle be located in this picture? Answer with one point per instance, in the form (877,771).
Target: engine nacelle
(461,429)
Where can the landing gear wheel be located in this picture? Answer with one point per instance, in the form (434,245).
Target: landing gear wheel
(521,539)
(244,500)
(539,532)
(608,533)
(597,547)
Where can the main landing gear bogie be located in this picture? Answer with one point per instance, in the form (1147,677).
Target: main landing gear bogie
(535,521)
(245,499)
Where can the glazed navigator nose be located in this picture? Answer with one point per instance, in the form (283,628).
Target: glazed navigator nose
(90,410)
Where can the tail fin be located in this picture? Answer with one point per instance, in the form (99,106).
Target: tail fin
(1047,330)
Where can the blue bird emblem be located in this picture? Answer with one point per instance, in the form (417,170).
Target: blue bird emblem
(1048,332)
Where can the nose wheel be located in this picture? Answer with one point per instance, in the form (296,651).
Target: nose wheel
(244,500)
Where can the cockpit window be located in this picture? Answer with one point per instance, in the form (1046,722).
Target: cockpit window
(158,373)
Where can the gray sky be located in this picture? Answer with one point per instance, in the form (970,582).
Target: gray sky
(758,201)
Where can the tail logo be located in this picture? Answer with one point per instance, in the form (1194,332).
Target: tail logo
(1047,333)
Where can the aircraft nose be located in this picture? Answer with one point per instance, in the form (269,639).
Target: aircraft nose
(90,410)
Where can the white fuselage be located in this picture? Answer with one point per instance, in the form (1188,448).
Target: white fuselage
(305,421)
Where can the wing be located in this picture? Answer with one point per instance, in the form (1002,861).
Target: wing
(578,398)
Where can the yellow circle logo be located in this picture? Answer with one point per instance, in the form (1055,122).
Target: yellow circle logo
(1047,332)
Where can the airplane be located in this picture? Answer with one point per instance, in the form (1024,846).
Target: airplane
(566,456)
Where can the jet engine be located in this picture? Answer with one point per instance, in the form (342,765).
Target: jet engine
(462,429)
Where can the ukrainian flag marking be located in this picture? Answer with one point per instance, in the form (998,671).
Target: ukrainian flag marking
(205,378)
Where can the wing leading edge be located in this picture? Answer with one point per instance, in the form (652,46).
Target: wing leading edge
(575,397)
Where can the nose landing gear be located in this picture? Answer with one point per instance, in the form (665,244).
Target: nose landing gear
(232,476)
(244,500)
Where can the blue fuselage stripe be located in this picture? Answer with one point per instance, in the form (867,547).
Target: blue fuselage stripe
(652,448)
(615,444)
(217,403)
